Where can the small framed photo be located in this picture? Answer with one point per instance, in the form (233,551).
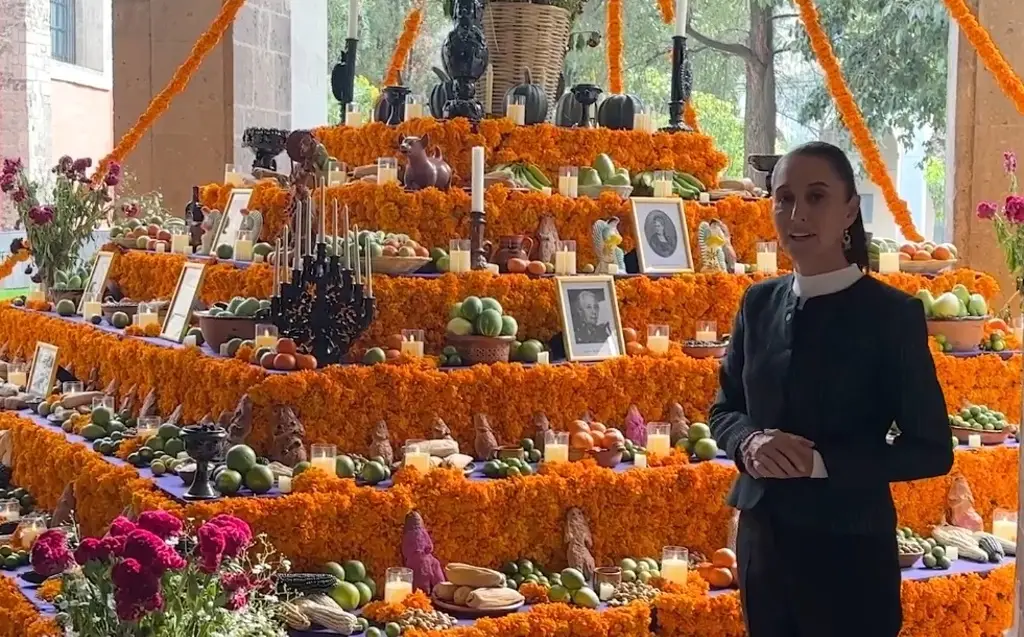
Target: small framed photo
(97,282)
(179,313)
(231,222)
(43,373)
(662,238)
(591,327)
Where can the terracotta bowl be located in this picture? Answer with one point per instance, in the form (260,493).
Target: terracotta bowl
(963,334)
(481,349)
(56,296)
(217,330)
(717,351)
(909,559)
(987,437)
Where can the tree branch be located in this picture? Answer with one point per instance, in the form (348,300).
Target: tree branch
(785,16)
(732,48)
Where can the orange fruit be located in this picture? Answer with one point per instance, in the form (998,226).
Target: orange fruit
(719,577)
(393,354)
(905,257)
(908,248)
(305,361)
(389,251)
(942,253)
(598,438)
(284,362)
(613,435)
(286,346)
(267,360)
(630,335)
(596,426)
(922,255)
(634,348)
(724,558)
(581,440)
(577,426)
(393,342)
(997,324)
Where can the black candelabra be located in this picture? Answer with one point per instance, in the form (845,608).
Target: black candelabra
(465,56)
(323,294)
(682,85)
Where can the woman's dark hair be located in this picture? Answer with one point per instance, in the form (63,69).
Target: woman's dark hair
(857,252)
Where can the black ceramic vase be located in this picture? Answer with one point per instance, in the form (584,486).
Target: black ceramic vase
(586,95)
(204,444)
(465,57)
(266,143)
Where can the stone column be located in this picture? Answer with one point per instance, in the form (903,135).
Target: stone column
(246,81)
(982,124)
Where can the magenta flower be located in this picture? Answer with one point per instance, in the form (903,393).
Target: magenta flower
(11,166)
(41,215)
(237,534)
(161,524)
(121,526)
(7,182)
(1009,162)
(1014,209)
(19,195)
(151,552)
(211,547)
(91,550)
(50,553)
(114,544)
(136,591)
(987,210)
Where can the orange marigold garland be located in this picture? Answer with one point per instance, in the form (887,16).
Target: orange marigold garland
(613,26)
(854,120)
(383,612)
(690,115)
(178,83)
(990,55)
(7,267)
(411,28)
(668,10)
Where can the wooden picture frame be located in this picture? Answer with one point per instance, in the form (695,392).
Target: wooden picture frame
(231,221)
(43,372)
(662,235)
(97,282)
(591,323)
(186,291)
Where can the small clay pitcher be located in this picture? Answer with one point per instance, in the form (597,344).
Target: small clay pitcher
(517,246)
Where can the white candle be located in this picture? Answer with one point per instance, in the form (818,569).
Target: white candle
(92,308)
(191,341)
(657,344)
(179,244)
(640,461)
(478,179)
(412,349)
(243,250)
(681,8)
(161,246)
(489,89)
(284,484)
(705,198)
(953,553)
(888,262)
(974,441)
(353,19)
(612,268)
(543,358)
(413,111)
(675,571)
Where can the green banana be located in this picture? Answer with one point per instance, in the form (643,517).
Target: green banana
(538,175)
(692,181)
(524,175)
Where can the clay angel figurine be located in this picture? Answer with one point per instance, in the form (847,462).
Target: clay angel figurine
(93,384)
(547,238)
(606,237)
(636,428)
(578,542)
(541,426)
(380,445)
(64,512)
(148,405)
(240,425)
(680,426)
(418,554)
(485,444)
(210,224)
(440,430)
(112,388)
(175,416)
(251,225)
(716,251)
(288,448)
(128,402)
(960,506)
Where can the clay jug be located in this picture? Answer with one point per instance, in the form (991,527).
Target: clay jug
(516,246)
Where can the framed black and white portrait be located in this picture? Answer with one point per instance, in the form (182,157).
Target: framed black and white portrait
(43,372)
(663,240)
(591,325)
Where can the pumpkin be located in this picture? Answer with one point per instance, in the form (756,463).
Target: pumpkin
(441,93)
(535,96)
(617,111)
(568,110)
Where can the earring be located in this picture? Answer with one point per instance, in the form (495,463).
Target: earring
(847,240)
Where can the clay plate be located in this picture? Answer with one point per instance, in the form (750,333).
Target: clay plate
(467,612)
(987,437)
(909,559)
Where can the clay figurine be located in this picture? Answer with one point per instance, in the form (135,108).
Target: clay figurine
(148,405)
(194,216)
(251,225)
(578,542)
(606,238)
(547,238)
(128,402)
(680,425)
(64,513)
(418,554)
(112,388)
(541,426)
(485,444)
(423,170)
(311,161)
(175,416)
(93,384)
(960,506)
(224,419)
(209,226)
(440,430)
(380,445)
(240,425)
(4,350)
(636,428)
(288,448)
(716,251)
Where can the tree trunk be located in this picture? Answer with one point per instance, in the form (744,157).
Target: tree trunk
(761,109)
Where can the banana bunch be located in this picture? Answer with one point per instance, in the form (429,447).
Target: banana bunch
(684,185)
(519,175)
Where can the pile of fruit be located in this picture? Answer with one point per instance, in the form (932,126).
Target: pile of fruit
(12,559)
(587,436)
(684,185)
(241,468)
(347,583)
(518,175)
(629,592)
(384,244)
(720,572)
(480,317)
(241,307)
(370,471)
(523,571)
(70,279)
(698,442)
(475,587)
(508,467)
(147,233)
(997,336)
(641,569)
(284,356)
(978,418)
(909,251)
(911,543)
(959,302)
(603,172)
(106,430)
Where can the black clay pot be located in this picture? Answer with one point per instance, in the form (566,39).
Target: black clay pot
(204,444)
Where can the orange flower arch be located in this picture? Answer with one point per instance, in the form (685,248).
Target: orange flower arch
(613,26)
(990,55)
(410,29)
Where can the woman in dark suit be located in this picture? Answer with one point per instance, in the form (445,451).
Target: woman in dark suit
(820,365)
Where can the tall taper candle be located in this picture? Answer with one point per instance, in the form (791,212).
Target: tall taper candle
(348,261)
(323,210)
(298,235)
(309,225)
(283,256)
(478,179)
(681,9)
(489,90)
(369,274)
(356,256)
(277,268)
(334,230)
(353,19)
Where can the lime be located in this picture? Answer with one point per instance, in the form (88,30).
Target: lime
(145,453)
(699,431)
(455,311)
(510,569)
(344,467)
(392,629)
(24,558)
(299,468)
(492,468)
(335,569)
(133,459)
(705,448)
(347,595)
(559,593)
(534,455)
(158,468)
(373,472)
(240,458)
(365,594)
(229,481)
(102,416)
(526,567)
(628,576)
(259,479)
(5,550)
(11,562)
(372,585)
(586,598)
(373,631)
(513,472)
(526,444)
(354,571)
(174,446)
(374,356)
(628,564)
(156,443)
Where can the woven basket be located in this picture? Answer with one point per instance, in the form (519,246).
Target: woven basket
(481,349)
(523,35)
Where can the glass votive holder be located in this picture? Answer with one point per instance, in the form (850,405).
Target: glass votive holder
(556,446)
(659,438)
(266,335)
(458,256)
(17,374)
(147,427)
(72,387)
(29,528)
(416,454)
(284,484)
(353,117)
(606,580)
(662,184)
(767,259)
(323,457)
(569,181)
(387,170)
(10,511)
(412,343)
(657,339)
(1004,524)
(640,460)
(707,332)
(103,401)
(675,564)
(397,584)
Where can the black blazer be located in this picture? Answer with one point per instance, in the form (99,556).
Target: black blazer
(873,369)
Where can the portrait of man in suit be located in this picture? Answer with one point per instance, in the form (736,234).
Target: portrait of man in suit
(586,309)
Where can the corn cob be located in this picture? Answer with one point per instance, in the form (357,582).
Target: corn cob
(962,539)
(292,616)
(307,582)
(1009,548)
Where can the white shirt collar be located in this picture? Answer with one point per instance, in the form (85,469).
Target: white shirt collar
(828,283)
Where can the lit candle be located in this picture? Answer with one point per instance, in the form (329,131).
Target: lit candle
(179,244)
(298,235)
(323,457)
(657,339)
(353,19)
(92,308)
(543,358)
(416,456)
(888,262)
(675,564)
(323,211)
(334,230)
(658,439)
(478,179)
(489,89)
(355,257)
(397,585)
(309,225)
(243,250)
(705,198)
(369,275)
(556,446)
(681,9)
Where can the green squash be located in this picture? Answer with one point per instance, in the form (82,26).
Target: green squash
(535,96)
(617,111)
